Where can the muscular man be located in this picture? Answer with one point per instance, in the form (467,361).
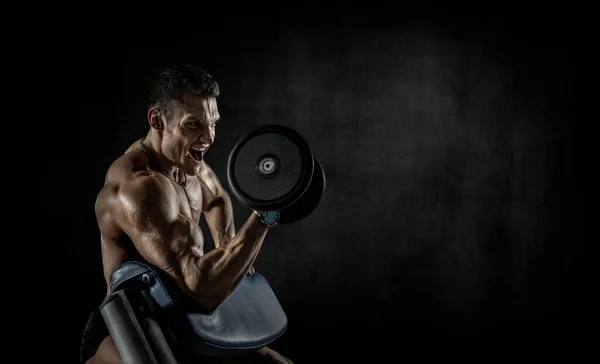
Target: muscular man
(154,196)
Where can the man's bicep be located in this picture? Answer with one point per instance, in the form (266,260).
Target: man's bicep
(151,219)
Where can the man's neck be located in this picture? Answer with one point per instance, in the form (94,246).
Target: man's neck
(159,161)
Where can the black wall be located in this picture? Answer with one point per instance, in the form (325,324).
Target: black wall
(447,147)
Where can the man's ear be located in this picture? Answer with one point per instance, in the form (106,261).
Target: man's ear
(155,119)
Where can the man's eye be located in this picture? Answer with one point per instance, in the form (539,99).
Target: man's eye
(194,124)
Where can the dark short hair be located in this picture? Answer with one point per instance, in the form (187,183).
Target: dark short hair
(172,83)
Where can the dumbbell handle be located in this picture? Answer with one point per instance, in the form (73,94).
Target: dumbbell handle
(269,218)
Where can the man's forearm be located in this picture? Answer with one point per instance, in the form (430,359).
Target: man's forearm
(221,269)
(220,221)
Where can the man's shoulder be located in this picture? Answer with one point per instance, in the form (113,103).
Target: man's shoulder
(141,194)
(131,170)
(139,184)
(209,179)
(128,179)
(206,172)
(146,184)
(127,164)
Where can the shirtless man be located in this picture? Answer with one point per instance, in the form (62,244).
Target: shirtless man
(153,199)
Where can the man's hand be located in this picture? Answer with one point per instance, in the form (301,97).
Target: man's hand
(251,271)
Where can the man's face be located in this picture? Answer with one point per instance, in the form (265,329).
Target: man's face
(189,132)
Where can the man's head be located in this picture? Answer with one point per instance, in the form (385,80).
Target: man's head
(182,112)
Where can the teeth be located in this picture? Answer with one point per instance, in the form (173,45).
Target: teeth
(199,149)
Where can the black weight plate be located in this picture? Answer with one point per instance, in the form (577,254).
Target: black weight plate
(269,168)
(309,201)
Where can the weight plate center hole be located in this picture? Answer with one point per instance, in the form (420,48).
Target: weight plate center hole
(268,165)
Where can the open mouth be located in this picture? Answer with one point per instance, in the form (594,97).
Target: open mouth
(197,154)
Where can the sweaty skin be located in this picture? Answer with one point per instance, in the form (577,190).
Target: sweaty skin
(144,212)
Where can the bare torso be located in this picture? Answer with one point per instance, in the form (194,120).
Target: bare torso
(117,247)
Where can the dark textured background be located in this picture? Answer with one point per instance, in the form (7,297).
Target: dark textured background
(447,143)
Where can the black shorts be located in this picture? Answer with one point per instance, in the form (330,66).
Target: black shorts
(93,335)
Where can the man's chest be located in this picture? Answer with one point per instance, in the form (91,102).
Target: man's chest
(190,199)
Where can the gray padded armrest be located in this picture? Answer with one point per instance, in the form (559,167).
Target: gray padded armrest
(250,318)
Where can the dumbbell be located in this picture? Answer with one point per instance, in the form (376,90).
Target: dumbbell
(272,168)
